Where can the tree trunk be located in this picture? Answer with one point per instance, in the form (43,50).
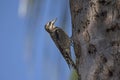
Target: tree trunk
(95,34)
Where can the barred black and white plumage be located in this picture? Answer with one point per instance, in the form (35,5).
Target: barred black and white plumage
(61,40)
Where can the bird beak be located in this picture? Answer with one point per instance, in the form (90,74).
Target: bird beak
(53,21)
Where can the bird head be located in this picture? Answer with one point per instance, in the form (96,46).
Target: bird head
(49,27)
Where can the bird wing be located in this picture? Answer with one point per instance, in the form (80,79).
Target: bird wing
(61,40)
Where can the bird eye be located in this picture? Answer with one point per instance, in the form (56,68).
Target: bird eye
(50,23)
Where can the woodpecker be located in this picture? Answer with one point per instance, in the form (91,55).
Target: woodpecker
(61,40)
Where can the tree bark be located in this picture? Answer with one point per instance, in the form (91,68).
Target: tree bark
(96,38)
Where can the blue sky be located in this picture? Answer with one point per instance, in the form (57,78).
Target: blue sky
(11,42)
(30,58)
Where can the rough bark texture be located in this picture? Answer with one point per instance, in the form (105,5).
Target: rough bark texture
(96,38)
